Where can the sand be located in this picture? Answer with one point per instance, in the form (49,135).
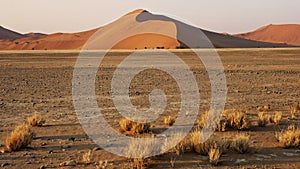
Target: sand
(42,81)
(141,27)
(285,33)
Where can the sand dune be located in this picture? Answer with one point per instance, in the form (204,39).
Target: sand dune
(288,33)
(137,30)
(6,34)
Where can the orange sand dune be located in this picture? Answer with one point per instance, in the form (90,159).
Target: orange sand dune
(289,34)
(137,30)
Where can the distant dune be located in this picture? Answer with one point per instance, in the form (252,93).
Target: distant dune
(141,27)
(288,33)
(6,34)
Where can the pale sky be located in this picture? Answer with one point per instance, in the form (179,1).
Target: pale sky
(232,16)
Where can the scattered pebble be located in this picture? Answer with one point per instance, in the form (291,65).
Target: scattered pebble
(42,167)
(50,151)
(238,161)
(290,154)
(66,146)
(4,164)
(68,163)
(262,156)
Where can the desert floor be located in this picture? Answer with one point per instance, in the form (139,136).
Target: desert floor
(41,81)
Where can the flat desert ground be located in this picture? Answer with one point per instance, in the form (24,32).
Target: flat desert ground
(41,81)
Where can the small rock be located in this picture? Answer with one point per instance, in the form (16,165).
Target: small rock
(68,163)
(28,162)
(96,148)
(4,164)
(297,151)
(42,167)
(290,154)
(66,146)
(273,155)
(238,161)
(50,151)
(72,139)
(262,156)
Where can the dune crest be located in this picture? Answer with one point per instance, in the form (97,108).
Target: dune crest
(139,29)
(286,33)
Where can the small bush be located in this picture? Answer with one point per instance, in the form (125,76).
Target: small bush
(241,143)
(289,137)
(36,120)
(133,127)
(237,119)
(86,158)
(277,118)
(262,119)
(214,155)
(204,148)
(169,120)
(20,138)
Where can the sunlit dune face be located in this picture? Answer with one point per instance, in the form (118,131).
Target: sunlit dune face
(148,41)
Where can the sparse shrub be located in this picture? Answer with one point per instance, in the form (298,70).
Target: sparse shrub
(102,164)
(86,158)
(214,155)
(20,138)
(294,110)
(289,137)
(241,143)
(133,127)
(237,119)
(36,120)
(221,125)
(277,118)
(184,145)
(267,108)
(262,119)
(139,152)
(125,125)
(169,120)
(204,148)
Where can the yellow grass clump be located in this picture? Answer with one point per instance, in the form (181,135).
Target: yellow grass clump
(289,137)
(214,155)
(204,148)
(36,120)
(86,158)
(241,143)
(19,138)
(295,109)
(169,120)
(277,118)
(133,127)
(263,119)
(237,119)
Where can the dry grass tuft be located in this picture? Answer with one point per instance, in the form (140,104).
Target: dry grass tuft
(214,155)
(86,158)
(20,138)
(237,119)
(133,127)
(289,137)
(263,119)
(204,148)
(294,110)
(277,118)
(142,151)
(36,120)
(169,120)
(221,125)
(241,143)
